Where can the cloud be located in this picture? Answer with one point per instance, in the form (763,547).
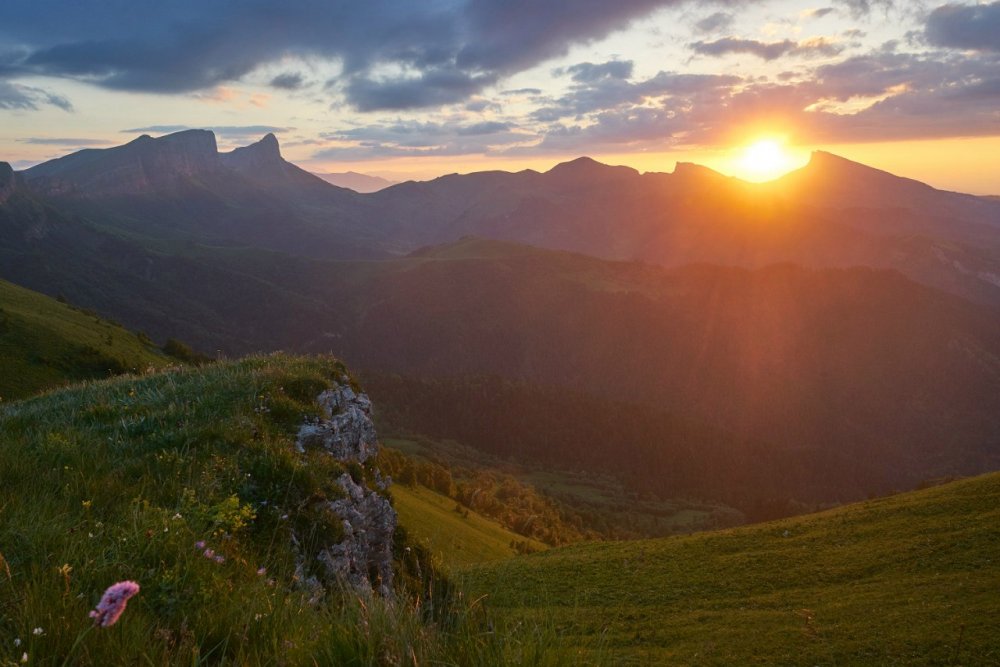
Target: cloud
(714,22)
(973,27)
(57,141)
(591,72)
(437,52)
(235,131)
(818,46)
(420,138)
(817,13)
(864,7)
(14,96)
(288,81)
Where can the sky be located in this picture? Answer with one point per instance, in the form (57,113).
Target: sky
(407,89)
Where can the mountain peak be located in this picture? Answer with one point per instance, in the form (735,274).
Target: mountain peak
(827,170)
(260,155)
(142,164)
(586,169)
(694,170)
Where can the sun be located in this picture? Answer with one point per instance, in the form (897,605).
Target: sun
(765,159)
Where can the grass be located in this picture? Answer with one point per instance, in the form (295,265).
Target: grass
(912,579)
(45,343)
(118,479)
(455,539)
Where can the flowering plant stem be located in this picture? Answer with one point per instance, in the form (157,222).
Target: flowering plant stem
(72,649)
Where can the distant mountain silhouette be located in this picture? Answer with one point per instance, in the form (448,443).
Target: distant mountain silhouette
(352,180)
(833,213)
(882,202)
(180,188)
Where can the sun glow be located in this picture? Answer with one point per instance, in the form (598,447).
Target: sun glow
(765,159)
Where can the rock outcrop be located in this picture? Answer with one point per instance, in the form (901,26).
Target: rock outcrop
(347,432)
(362,560)
(366,549)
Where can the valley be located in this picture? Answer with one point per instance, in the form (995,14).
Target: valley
(586,382)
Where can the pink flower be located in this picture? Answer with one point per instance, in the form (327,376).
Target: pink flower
(262,571)
(113,603)
(200,544)
(209,553)
(219,558)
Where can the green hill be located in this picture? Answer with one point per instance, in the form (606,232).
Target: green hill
(45,343)
(456,539)
(123,479)
(911,579)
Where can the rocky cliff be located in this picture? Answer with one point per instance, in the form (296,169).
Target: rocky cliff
(362,558)
(139,166)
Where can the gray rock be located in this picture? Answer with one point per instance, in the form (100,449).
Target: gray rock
(366,549)
(362,560)
(347,432)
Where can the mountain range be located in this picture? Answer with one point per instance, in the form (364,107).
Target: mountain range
(364,183)
(822,337)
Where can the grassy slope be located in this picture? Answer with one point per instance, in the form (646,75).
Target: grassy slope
(119,479)
(454,539)
(910,579)
(44,343)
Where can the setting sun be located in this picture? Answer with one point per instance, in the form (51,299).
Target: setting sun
(765,159)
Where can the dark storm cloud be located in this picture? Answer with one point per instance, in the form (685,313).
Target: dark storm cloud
(766,50)
(974,27)
(448,50)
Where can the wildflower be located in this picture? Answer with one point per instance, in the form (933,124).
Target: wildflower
(113,603)
(220,559)
(209,553)
(38,632)
(261,571)
(65,571)
(86,504)
(200,544)
(24,657)
(17,642)
(177,516)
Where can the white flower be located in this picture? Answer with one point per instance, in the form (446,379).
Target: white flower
(38,632)
(24,657)
(17,641)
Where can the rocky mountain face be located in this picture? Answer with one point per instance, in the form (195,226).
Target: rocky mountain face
(362,559)
(142,165)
